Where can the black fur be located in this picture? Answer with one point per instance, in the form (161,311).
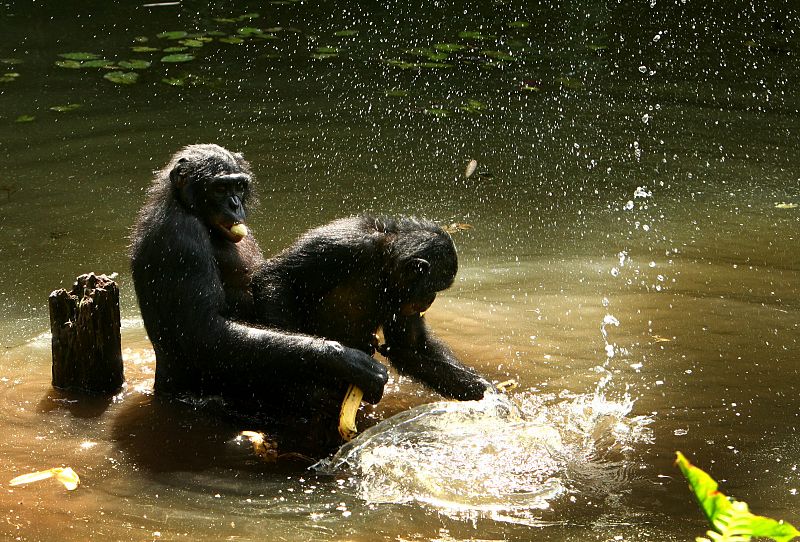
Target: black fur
(192,282)
(347,279)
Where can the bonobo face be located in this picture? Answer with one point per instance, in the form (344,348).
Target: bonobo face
(214,185)
(422,278)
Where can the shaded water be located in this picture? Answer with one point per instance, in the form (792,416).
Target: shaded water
(629,261)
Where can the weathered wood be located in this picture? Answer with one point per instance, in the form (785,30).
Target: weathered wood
(85,324)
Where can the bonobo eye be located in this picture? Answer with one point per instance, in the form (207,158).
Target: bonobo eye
(220,189)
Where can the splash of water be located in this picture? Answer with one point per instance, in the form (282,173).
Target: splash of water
(499,455)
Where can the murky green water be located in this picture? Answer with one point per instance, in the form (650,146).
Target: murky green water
(630,261)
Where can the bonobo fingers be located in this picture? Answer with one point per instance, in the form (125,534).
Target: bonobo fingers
(370,375)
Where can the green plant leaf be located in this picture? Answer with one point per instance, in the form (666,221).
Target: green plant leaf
(80,56)
(9,77)
(449,47)
(134,64)
(731,519)
(173,35)
(25,118)
(65,108)
(233,40)
(144,49)
(346,33)
(174,81)
(122,78)
(192,42)
(474,35)
(175,59)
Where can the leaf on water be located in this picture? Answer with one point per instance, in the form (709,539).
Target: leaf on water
(192,42)
(231,40)
(784,205)
(174,81)
(141,39)
(144,49)
(474,35)
(402,64)
(346,33)
(731,519)
(570,82)
(518,24)
(11,61)
(135,64)
(97,64)
(327,50)
(174,59)
(122,78)
(595,47)
(430,54)
(70,64)
(397,93)
(176,49)
(498,55)
(249,31)
(449,47)
(25,118)
(434,65)
(173,35)
(80,56)
(65,475)
(9,77)
(437,112)
(324,56)
(65,108)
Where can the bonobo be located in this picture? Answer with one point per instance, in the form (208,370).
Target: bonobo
(347,279)
(192,262)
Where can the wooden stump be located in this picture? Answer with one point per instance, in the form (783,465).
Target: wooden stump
(85,322)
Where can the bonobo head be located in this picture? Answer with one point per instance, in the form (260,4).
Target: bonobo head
(425,262)
(214,185)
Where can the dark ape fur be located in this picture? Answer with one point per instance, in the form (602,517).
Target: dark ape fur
(192,274)
(347,279)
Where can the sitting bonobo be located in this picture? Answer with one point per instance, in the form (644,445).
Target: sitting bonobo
(347,279)
(192,262)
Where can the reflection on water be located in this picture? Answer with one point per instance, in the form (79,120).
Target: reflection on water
(500,457)
(633,257)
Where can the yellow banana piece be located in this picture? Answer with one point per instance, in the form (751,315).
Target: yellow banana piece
(239,230)
(347,415)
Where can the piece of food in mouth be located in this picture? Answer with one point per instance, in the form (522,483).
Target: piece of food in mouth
(239,230)
(347,415)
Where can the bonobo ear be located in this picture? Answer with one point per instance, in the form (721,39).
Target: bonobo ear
(178,176)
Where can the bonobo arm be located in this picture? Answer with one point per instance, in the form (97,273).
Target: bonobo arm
(182,301)
(414,351)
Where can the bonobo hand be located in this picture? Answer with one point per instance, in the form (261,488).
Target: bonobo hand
(362,370)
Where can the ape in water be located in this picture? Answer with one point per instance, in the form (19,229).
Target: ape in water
(192,269)
(347,279)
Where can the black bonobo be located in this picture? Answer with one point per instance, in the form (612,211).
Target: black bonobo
(347,279)
(192,261)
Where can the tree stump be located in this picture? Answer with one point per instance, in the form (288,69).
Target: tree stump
(85,323)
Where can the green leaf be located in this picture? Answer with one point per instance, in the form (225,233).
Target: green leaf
(122,78)
(144,49)
(731,520)
(173,35)
(9,77)
(11,61)
(449,47)
(437,112)
(25,118)
(231,40)
(174,81)
(174,59)
(80,56)
(518,24)
(346,33)
(65,108)
(192,43)
(498,55)
(134,64)
(69,64)
(249,31)
(474,35)
(327,50)
(176,49)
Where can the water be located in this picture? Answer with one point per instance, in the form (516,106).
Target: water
(630,262)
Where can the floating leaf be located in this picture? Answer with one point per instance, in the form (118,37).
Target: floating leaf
(249,31)
(25,118)
(430,54)
(784,205)
(731,519)
(437,112)
(80,56)
(518,24)
(9,77)
(474,35)
(174,81)
(141,39)
(434,65)
(346,33)
(70,64)
(97,64)
(177,58)
(570,82)
(122,78)
(11,61)
(134,64)
(594,47)
(498,55)
(403,65)
(249,16)
(176,49)
(327,50)
(397,93)
(144,49)
(474,106)
(173,35)
(192,43)
(324,56)
(233,40)
(449,47)
(65,108)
